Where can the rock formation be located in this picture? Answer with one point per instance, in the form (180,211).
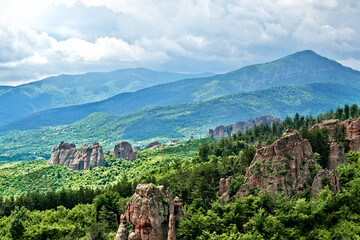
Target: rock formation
(288,165)
(124,150)
(323,178)
(351,128)
(152,145)
(153,211)
(228,130)
(68,155)
(224,189)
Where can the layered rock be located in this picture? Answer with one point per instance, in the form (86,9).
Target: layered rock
(152,145)
(288,165)
(351,128)
(124,150)
(153,211)
(228,130)
(224,189)
(68,155)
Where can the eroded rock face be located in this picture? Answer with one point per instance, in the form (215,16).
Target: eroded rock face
(351,128)
(152,145)
(68,155)
(153,211)
(228,130)
(124,150)
(224,189)
(323,178)
(288,165)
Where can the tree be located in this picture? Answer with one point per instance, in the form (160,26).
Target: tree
(17,227)
(347,111)
(354,110)
(339,113)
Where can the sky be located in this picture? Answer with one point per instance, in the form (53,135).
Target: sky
(41,38)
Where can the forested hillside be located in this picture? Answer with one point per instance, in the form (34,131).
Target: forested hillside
(193,175)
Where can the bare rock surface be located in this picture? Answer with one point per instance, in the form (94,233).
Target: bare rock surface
(68,155)
(288,165)
(153,211)
(228,130)
(152,145)
(224,189)
(124,150)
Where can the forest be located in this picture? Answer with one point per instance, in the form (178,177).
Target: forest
(79,209)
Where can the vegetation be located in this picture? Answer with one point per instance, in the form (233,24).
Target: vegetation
(192,170)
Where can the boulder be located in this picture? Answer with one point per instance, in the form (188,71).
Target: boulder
(153,211)
(124,150)
(68,155)
(288,165)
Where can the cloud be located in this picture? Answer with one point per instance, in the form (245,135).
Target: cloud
(57,36)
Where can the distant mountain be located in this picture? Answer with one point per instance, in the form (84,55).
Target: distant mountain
(300,68)
(64,90)
(178,122)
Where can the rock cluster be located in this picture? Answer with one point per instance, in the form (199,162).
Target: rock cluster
(228,130)
(124,150)
(288,165)
(68,155)
(224,189)
(152,145)
(153,211)
(351,128)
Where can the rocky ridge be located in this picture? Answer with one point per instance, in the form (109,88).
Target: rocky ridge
(68,155)
(228,130)
(153,212)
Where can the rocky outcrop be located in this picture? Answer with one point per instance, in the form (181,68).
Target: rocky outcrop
(152,145)
(68,155)
(228,130)
(124,150)
(351,128)
(224,189)
(325,178)
(288,165)
(153,211)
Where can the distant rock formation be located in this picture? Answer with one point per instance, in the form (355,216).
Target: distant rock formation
(224,189)
(152,145)
(288,165)
(351,128)
(228,130)
(153,211)
(124,150)
(68,155)
(137,149)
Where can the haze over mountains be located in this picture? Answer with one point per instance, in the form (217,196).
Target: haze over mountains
(64,90)
(303,82)
(303,67)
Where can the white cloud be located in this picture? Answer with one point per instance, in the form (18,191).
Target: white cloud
(54,36)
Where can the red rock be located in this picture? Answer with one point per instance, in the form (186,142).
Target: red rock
(318,183)
(224,189)
(124,150)
(153,212)
(77,158)
(152,145)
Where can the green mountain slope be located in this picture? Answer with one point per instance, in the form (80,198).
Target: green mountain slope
(64,90)
(300,68)
(177,122)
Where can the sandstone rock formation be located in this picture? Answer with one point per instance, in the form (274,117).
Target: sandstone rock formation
(224,189)
(351,128)
(77,158)
(153,211)
(124,150)
(323,178)
(288,165)
(152,145)
(228,130)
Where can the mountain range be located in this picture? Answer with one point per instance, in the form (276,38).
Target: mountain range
(303,82)
(303,67)
(65,90)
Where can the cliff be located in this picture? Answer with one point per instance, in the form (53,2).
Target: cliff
(68,155)
(153,211)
